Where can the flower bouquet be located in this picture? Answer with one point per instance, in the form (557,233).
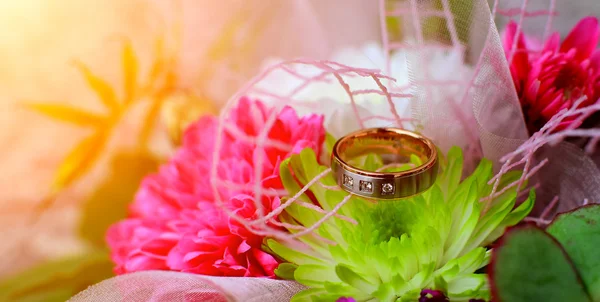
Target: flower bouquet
(251,206)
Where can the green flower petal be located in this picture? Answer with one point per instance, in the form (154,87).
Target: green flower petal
(286,271)
(351,278)
(451,171)
(467,208)
(310,295)
(315,275)
(291,255)
(435,240)
(467,285)
(330,141)
(512,218)
(386,292)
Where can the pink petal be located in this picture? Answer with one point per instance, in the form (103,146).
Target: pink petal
(545,98)
(198,256)
(532,92)
(268,263)
(229,259)
(573,124)
(509,36)
(595,62)
(515,77)
(178,225)
(243,247)
(157,247)
(571,54)
(175,259)
(139,262)
(584,37)
(301,145)
(546,86)
(520,61)
(552,43)
(553,108)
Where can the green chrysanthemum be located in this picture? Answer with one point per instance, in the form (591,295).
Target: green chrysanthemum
(436,240)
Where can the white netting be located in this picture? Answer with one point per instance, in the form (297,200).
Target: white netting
(321,72)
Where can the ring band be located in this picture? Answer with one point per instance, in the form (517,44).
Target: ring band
(384,185)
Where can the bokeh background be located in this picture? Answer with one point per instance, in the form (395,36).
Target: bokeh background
(216,46)
(40,42)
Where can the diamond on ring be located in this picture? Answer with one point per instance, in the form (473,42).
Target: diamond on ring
(348,181)
(366,186)
(387,188)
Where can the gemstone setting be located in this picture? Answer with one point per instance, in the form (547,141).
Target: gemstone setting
(366,186)
(387,189)
(348,181)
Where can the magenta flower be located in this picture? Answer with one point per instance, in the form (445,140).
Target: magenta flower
(174,223)
(429,295)
(553,79)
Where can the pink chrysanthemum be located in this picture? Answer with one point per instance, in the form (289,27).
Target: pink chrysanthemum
(174,223)
(554,79)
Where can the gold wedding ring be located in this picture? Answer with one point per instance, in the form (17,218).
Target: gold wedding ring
(394,146)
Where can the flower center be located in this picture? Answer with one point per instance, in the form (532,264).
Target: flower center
(392,219)
(429,295)
(571,79)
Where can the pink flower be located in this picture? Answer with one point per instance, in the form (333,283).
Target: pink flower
(221,246)
(138,244)
(174,223)
(553,79)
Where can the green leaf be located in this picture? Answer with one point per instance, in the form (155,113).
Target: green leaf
(286,271)
(57,280)
(530,265)
(579,234)
(108,204)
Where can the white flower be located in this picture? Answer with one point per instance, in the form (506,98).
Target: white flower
(332,100)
